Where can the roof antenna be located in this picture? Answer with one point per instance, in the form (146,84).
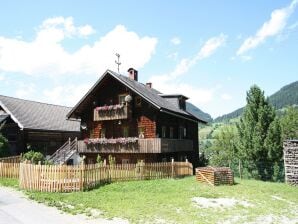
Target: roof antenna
(118,61)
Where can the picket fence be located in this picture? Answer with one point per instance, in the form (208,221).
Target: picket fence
(9,170)
(62,178)
(11,159)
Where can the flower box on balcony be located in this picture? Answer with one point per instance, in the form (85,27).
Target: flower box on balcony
(111,112)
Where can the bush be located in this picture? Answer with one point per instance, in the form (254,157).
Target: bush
(33,156)
(99,160)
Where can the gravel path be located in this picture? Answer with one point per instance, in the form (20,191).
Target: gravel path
(15,208)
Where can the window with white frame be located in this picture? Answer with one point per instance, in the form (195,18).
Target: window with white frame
(122,98)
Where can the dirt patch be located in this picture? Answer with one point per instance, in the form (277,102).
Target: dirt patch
(220,203)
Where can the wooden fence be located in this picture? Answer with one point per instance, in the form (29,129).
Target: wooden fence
(9,170)
(62,178)
(11,159)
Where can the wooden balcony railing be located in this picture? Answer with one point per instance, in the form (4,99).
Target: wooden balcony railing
(149,145)
(111,114)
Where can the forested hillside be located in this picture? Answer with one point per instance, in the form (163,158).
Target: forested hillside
(286,96)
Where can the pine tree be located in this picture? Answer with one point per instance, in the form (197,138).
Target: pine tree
(253,130)
(289,124)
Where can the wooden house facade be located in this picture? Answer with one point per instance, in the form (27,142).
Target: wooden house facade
(132,121)
(34,125)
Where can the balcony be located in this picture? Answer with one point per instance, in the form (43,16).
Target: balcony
(111,112)
(149,145)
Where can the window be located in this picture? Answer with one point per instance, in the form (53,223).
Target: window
(103,133)
(171,132)
(91,133)
(122,98)
(184,133)
(163,131)
(164,160)
(138,101)
(125,131)
(181,132)
(141,131)
(125,161)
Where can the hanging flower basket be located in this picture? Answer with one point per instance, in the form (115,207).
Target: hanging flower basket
(110,107)
(105,141)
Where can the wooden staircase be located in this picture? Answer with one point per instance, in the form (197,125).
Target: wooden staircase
(65,152)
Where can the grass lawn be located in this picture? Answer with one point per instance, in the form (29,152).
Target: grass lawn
(171,201)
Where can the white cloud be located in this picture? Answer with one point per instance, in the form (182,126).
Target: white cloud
(209,47)
(170,83)
(67,95)
(293,26)
(270,28)
(2,77)
(176,41)
(45,55)
(226,96)
(25,90)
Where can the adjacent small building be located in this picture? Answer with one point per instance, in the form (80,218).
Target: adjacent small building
(133,121)
(39,126)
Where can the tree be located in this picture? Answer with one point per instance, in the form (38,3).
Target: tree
(4,151)
(257,134)
(289,123)
(224,147)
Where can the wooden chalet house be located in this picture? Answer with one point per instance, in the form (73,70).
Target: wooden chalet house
(132,121)
(41,126)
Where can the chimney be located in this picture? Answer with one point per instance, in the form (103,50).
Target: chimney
(149,84)
(133,74)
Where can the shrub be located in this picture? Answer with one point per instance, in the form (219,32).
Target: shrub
(33,156)
(99,160)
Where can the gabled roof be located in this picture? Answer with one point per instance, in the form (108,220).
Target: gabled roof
(3,117)
(149,94)
(38,116)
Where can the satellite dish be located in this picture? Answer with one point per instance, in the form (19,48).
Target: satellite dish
(128,98)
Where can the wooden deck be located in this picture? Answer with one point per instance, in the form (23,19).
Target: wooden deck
(149,145)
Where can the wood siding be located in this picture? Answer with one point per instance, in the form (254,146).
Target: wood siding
(151,145)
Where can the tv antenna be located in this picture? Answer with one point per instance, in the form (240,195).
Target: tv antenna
(118,61)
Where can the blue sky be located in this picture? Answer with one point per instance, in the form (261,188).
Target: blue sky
(210,51)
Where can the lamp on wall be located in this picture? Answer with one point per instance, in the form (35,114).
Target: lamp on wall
(83,126)
(128,98)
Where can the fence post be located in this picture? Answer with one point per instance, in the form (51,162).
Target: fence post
(82,173)
(172,168)
(142,169)
(240,169)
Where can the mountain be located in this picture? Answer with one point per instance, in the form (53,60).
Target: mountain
(286,96)
(197,112)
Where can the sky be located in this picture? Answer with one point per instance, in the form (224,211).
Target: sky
(210,51)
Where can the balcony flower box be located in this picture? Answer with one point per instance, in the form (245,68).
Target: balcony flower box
(105,141)
(111,112)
